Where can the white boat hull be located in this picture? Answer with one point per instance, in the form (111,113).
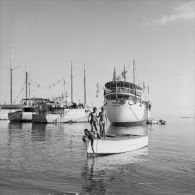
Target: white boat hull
(53,118)
(70,115)
(116,145)
(126,112)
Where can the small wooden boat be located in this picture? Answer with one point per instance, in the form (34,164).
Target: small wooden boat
(116,144)
(24,115)
(5,109)
(152,122)
(162,122)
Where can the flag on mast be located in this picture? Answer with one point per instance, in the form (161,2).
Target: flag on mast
(124,73)
(97,89)
(114,76)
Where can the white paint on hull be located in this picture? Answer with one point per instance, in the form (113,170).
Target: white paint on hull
(117,145)
(27,116)
(53,118)
(70,115)
(127,112)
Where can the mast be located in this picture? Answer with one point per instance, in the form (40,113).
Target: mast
(29,93)
(124,76)
(84,87)
(11,75)
(29,89)
(115,80)
(134,79)
(26,83)
(64,83)
(71,83)
(129,79)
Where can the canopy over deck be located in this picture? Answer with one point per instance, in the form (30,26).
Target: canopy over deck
(111,85)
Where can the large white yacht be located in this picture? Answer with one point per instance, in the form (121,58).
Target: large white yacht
(124,101)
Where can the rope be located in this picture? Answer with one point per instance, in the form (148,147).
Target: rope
(136,74)
(135,114)
(141,123)
(19,93)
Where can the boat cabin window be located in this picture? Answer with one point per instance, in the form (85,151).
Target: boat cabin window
(118,96)
(28,109)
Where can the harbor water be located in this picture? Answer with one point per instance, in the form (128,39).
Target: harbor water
(44,159)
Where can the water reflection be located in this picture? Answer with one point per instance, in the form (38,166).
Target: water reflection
(94,179)
(96,170)
(14,125)
(38,132)
(17,126)
(137,130)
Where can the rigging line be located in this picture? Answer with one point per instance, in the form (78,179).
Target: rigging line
(135,115)
(19,93)
(129,66)
(137,74)
(100,86)
(140,121)
(149,127)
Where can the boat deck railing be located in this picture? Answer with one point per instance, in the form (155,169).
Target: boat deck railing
(122,90)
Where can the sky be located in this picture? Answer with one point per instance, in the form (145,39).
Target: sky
(46,35)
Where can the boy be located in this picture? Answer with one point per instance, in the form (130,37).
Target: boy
(93,119)
(102,121)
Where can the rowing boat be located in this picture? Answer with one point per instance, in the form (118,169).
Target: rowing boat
(116,144)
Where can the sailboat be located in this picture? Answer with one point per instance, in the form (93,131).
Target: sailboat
(124,101)
(65,114)
(26,112)
(5,109)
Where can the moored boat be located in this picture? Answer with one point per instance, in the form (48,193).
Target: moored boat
(66,116)
(62,110)
(152,122)
(125,102)
(162,122)
(5,109)
(26,113)
(116,144)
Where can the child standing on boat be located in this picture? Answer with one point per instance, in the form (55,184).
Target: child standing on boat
(102,121)
(93,119)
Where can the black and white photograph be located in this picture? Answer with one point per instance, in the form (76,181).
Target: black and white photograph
(97,97)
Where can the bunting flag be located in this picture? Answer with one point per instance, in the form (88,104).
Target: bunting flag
(40,86)
(97,90)
(50,86)
(19,92)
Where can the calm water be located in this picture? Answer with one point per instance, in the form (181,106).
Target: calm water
(51,159)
